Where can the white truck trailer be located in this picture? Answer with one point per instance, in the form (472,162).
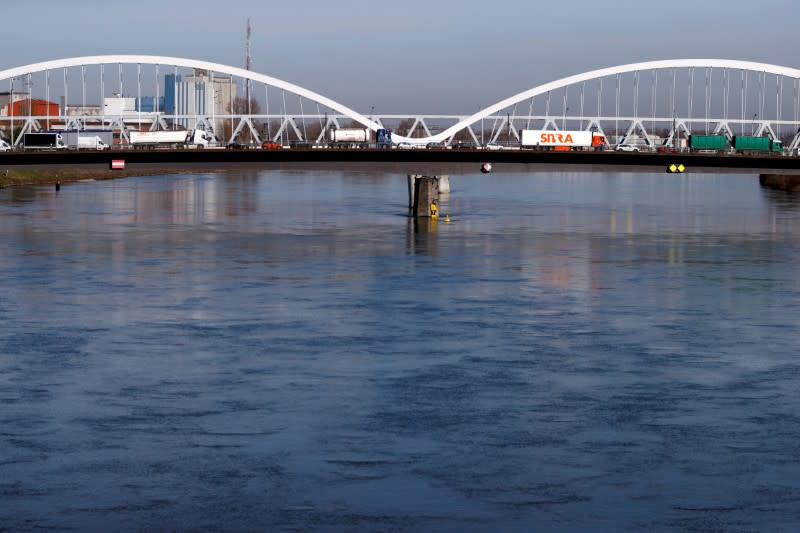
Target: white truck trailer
(561,140)
(349,137)
(174,139)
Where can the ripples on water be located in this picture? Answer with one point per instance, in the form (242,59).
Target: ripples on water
(285,350)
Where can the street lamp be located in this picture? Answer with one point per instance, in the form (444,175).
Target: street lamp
(753,127)
(564,119)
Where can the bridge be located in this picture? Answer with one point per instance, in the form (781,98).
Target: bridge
(643,104)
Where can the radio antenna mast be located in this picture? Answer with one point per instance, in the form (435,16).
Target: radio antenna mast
(248,60)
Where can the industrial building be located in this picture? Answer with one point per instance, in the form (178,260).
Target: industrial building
(198,95)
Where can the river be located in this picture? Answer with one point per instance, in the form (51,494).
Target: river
(287,350)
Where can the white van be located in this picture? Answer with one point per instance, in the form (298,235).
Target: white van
(4,146)
(92,143)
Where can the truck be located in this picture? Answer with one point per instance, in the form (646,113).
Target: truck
(92,143)
(170,138)
(4,146)
(716,143)
(562,140)
(745,143)
(88,139)
(43,141)
(358,138)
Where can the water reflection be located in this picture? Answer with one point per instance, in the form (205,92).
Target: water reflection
(615,348)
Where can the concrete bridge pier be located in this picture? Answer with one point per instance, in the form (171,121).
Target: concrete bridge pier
(424,193)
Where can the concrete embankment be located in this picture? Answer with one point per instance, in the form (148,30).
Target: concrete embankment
(783,182)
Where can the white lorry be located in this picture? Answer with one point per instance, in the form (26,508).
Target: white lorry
(4,146)
(175,139)
(562,140)
(359,138)
(92,143)
(98,139)
(348,137)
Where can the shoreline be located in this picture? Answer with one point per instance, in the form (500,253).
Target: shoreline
(49,174)
(36,176)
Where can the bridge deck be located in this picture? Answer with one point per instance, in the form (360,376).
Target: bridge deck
(200,157)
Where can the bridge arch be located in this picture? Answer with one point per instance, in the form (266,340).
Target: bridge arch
(368,122)
(607,72)
(84,61)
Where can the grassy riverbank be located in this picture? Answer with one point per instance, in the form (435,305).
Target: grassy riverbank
(16,177)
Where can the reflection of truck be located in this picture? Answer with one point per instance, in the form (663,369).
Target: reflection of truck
(43,141)
(88,139)
(562,140)
(358,138)
(175,139)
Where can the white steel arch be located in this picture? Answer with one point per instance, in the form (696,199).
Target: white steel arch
(611,71)
(188,63)
(761,68)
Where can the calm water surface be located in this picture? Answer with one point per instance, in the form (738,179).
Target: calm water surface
(285,350)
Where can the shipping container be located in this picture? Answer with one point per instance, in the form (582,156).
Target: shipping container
(708,142)
(756,144)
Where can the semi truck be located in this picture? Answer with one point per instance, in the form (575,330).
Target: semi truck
(170,138)
(562,140)
(740,143)
(43,141)
(358,138)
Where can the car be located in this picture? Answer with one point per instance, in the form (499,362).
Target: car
(493,146)
(627,148)
(405,145)
(271,145)
(436,146)
(237,146)
(665,150)
(464,145)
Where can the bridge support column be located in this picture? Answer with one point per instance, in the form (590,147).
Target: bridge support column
(440,185)
(426,199)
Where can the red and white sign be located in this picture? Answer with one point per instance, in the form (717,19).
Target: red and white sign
(555,138)
(117,164)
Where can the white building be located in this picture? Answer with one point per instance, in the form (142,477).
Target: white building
(201,94)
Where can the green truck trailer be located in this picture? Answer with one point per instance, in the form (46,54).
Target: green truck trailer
(708,142)
(744,143)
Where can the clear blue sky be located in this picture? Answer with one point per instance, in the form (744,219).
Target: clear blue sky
(421,56)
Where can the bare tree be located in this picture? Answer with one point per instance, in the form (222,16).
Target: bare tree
(241,106)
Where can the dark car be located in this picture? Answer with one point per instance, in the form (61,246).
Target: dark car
(464,145)
(665,150)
